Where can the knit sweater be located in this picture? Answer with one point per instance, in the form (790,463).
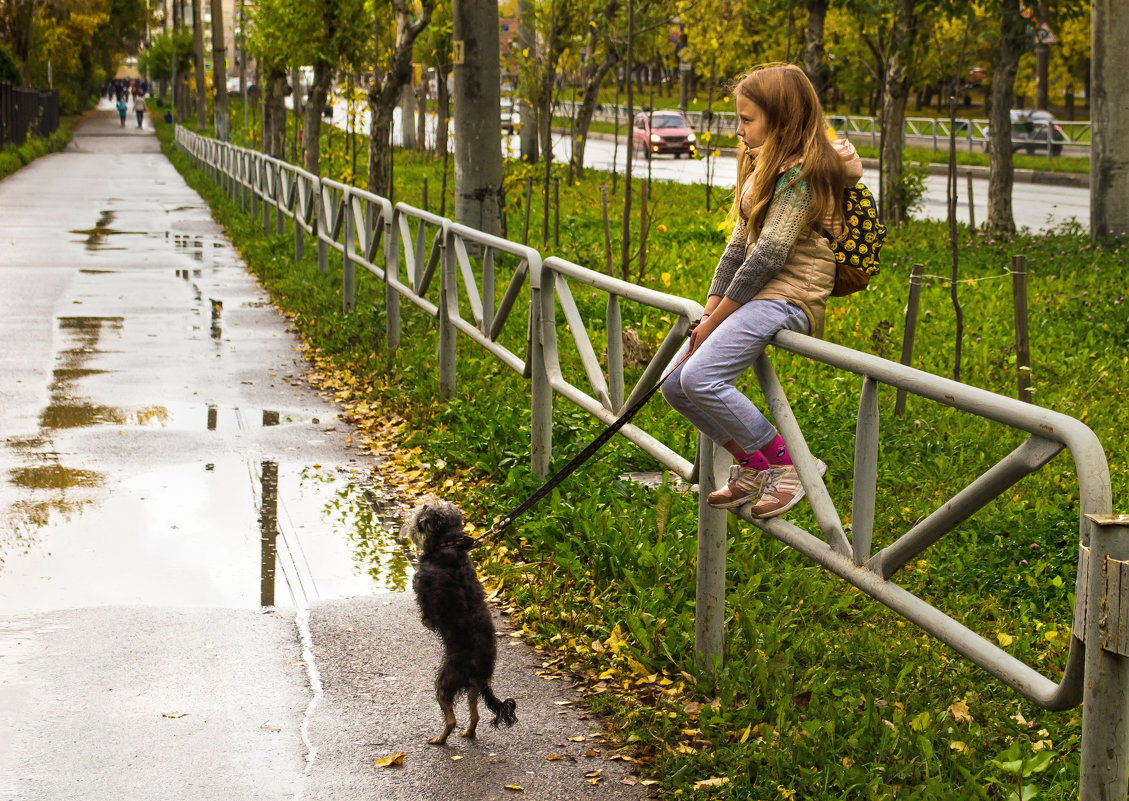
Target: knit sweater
(788,261)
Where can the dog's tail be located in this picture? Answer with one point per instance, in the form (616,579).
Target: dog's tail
(504,711)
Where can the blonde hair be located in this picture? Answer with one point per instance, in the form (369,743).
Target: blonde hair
(796,133)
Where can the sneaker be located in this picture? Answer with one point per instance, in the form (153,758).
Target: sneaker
(744,486)
(782,490)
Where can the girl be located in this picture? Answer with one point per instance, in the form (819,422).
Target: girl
(776,272)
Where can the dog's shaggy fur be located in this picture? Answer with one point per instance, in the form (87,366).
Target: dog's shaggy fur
(452,603)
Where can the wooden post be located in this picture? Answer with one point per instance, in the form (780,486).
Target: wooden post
(1022,341)
(971,206)
(607,230)
(908,334)
(528,202)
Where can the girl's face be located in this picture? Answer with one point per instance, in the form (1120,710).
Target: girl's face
(752,126)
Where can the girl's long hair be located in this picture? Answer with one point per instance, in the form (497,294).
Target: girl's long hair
(796,133)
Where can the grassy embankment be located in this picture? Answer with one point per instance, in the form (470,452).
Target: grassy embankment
(824,693)
(12,157)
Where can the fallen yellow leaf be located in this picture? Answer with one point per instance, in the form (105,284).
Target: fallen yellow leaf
(396,759)
(715,781)
(517,788)
(173,715)
(960,713)
(960,747)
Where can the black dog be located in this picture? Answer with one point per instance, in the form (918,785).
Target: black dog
(452,603)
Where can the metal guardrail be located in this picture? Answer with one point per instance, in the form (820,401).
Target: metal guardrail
(352,223)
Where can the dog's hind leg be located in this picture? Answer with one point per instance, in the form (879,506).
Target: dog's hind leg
(472,706)
(447,704)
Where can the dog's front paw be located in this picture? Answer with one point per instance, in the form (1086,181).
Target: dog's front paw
(438,740)
(469,732)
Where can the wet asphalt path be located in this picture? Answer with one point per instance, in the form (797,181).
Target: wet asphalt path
(194,600)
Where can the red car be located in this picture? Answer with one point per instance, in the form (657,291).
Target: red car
(663,132)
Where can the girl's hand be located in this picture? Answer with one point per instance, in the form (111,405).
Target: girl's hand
(712,317)
(704,328)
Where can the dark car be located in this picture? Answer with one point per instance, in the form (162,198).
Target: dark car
(1033,130)
(663,132)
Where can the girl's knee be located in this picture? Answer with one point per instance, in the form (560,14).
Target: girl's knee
(697,382)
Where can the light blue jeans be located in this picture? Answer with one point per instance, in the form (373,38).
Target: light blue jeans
(703,389)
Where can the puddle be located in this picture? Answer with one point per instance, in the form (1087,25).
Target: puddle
(96,237)
(234,532)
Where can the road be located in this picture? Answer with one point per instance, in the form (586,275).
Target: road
(1037,206)
(195,599)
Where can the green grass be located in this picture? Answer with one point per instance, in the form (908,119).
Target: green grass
(13,157)
(824,693)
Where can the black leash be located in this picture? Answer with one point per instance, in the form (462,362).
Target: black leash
(576,461)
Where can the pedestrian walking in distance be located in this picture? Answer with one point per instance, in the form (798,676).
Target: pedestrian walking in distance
(776,273)
(122,108)
(139,108)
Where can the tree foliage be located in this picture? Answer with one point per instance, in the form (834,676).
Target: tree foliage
(72,45)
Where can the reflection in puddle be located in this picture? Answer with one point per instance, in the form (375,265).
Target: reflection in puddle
(96,237)
(82,415)
(234,532)
(371,525)
(54,477)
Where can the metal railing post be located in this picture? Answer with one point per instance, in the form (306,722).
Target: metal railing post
(279,203)
(447,331)
(1105,702)
(264,184)
(253,172)
(348,286)
(392,273)
(541,407)
(299,241)
(709,616)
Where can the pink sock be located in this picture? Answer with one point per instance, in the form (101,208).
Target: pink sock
(755,460)
(775,453)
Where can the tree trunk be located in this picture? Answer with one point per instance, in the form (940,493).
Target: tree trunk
(813,49)
(1001,219)
(243,50)
(219,72)
(527,113)
(421,115)
(408,116)
(311,127)
(592,77)
(274,112)
(201,80)
(442,113)
(479,201)
(384,95)
(1109,116)
(895,95)
(380,147)
(591,94)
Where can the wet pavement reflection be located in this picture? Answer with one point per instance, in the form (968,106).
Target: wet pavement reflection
(145,486)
